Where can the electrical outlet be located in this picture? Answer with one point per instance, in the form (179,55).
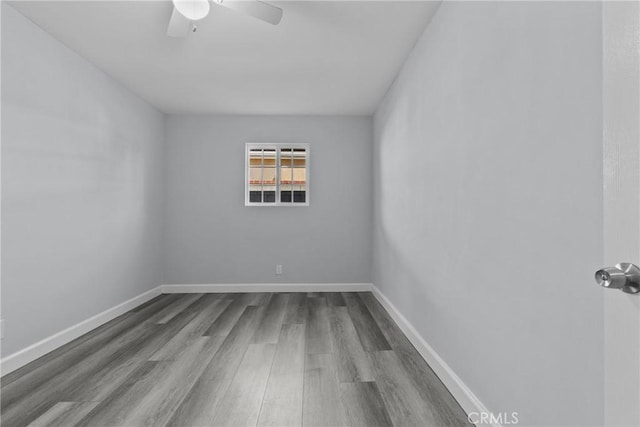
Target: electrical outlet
(279,269)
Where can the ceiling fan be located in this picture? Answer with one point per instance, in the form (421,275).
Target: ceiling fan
(187,12)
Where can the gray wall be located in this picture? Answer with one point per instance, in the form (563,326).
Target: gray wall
(81,187)
(488,192)
(211,237)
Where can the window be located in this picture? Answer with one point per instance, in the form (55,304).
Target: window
(277,175)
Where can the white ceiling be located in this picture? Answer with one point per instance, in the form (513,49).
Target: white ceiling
(325,57)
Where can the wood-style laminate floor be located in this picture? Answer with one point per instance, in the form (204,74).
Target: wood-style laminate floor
(281,359)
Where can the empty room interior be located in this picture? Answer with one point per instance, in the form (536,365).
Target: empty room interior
(320,213)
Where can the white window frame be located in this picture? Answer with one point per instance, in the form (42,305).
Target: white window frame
(277,147)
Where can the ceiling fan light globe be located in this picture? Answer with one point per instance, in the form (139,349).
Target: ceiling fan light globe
(193,10)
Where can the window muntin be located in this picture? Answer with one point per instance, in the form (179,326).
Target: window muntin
(277,175)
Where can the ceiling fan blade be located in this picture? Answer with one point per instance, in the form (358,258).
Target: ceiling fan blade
(258,9)
(179,25)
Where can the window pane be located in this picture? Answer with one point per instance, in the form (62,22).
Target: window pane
(255,184)
(299,176)
(269,196)
(299,196)
(285,156)
(285,179)
(269,176)
(286,175)
(255,174)
(255,196)
(269,184)
(255,157)
(270,158)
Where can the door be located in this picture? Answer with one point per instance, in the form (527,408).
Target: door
(621,154)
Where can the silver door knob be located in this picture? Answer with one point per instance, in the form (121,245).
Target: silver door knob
(624,276)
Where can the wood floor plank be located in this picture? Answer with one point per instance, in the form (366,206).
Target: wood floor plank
(201,403)
(194,329)
(176,300)
(321,406)
(255,298)
(158,406)
(64,414)
(391,331)
(448,411)
(335,298)
(282,403)
(405,405)
(226,321)
(154,301)
(151,399)
(351,360)
(58,410)
(110,373)
(370,335)
(296,311)
(269,328)
(110,410)
(363,405)
(179,306)
(241,403)
(318,329)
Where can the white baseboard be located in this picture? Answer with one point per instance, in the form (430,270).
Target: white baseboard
(465,397)
(39,349)
(266,287)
